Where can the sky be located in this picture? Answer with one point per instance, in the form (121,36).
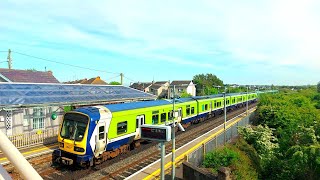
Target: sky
(243,42)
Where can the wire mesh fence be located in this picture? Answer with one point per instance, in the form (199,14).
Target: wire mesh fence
(197,156)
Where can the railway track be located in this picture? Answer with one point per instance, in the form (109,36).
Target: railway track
(126,164)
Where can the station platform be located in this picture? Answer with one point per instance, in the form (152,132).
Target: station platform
(152,171)
(31,152)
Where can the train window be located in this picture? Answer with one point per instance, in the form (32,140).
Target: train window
(170,115)
(163,117)
(202,107)
(101,132)
(122,127)
(192,110)
(155,119)
(188,110)
(206,107)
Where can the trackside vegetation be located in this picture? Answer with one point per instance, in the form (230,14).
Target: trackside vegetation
(231,156)
(284,141)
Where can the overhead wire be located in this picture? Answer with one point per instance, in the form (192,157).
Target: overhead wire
(71,65)
(129,79)
(113,77)
(57,62)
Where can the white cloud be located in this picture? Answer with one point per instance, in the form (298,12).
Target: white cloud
(276,32)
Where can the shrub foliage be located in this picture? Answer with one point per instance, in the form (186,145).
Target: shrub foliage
(287,137)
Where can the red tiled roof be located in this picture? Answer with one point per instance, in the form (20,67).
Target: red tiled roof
(80,81)
(95,80)
(28,76)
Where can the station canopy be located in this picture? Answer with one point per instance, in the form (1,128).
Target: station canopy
(38,94)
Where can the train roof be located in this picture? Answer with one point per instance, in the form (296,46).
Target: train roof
(135,105)
(144,104)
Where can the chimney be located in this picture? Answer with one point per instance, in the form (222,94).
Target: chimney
(98,77)
(50,72)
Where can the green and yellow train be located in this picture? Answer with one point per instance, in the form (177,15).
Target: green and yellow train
(89,135)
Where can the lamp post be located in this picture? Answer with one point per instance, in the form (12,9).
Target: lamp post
(218,88)
(224,110)
(173,170)
(247,99)
(225,114)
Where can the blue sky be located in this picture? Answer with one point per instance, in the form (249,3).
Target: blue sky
(244,42)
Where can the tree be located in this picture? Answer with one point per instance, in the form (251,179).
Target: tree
(205,83)
(114,83)
(32,69)
(184,94)
(318,87)
(296,124)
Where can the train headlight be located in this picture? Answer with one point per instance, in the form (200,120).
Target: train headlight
(61,144)
(78,149)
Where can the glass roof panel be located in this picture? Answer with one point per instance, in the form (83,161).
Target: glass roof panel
(29,94)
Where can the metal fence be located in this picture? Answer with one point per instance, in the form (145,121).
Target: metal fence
(196,157)
(29,139)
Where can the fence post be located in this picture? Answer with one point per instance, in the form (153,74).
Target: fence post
(204,149)
(216,141)
(29,139)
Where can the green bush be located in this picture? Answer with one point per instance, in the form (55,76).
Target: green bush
(291,149)
(249,151)
(230,156)
(220,157)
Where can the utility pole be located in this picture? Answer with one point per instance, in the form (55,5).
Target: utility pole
(9,59)
(121,76)
(173,170)
(225,114)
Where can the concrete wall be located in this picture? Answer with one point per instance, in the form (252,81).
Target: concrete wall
(22,120)
(191,172)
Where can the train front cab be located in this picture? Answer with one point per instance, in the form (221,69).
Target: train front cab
(72,140)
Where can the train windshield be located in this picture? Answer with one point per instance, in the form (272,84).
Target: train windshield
(74,126)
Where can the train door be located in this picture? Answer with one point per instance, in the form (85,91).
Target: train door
(179,118)
(140,120)
(101,138)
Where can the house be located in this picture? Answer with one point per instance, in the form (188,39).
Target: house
(80,81)
(95,80)
(182,86)
(160,89)
(142,86)
(26,119)
(27,76)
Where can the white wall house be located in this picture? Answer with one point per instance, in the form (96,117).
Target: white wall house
(181,86)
